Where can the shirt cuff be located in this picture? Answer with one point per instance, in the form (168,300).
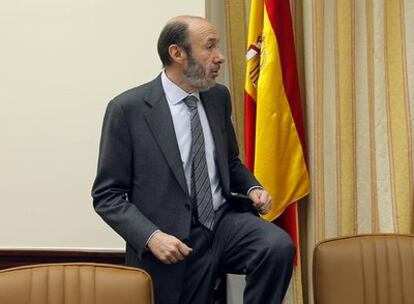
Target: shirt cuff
(150,237)
(252,188)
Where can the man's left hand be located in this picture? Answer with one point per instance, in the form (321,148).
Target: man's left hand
(262,201)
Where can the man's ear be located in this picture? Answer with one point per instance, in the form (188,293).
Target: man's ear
(177,54)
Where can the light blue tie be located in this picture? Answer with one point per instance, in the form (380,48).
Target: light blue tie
(200,181)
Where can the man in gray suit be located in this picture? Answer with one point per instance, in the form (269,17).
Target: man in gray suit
(170,181)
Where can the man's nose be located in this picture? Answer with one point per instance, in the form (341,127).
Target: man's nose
(219,58)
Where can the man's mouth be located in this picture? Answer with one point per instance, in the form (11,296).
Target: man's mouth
(215,72)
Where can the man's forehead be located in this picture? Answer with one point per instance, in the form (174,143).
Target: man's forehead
(203,30)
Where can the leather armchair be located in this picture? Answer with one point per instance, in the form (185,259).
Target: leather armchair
(364,269)
(75,283)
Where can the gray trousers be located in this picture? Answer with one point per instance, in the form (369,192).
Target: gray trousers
(241,243)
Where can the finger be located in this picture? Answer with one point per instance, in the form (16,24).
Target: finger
(177,256)
(261,205)
(265,202)
(174,253)
(260,208)
(257,205)
(254,195)
(164,260)
(264,197)
(173,260)
(184,249)
(258,193)
(267,205)
(263,210)
(257,202)
(173,257)
(261,197)
(270,199)
(167,261)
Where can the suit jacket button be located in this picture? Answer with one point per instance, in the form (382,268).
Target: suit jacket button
(187,206)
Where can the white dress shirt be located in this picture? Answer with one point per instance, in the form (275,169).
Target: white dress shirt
(182,126)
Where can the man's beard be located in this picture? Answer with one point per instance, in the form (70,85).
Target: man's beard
(196,75)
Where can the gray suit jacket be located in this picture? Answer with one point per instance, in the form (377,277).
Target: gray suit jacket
(140,184)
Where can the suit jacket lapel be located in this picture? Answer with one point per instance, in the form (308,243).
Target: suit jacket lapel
(160,122)
(216,117)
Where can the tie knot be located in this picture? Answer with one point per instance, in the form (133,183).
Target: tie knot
(191,102)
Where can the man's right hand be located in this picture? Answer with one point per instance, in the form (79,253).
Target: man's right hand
(167,248)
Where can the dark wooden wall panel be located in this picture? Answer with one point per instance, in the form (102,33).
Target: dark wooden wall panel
(20,257)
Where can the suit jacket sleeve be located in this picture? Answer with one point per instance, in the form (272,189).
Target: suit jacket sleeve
(113,181)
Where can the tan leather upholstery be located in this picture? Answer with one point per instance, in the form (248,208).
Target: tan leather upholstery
(365,269)
(75,283)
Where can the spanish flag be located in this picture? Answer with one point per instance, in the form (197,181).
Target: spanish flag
(274,135)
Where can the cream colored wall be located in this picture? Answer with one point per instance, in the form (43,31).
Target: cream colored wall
(60,63)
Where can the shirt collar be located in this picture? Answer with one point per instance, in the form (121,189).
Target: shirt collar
(173,92)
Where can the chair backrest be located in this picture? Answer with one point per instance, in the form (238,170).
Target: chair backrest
(75,283)
(364,269)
